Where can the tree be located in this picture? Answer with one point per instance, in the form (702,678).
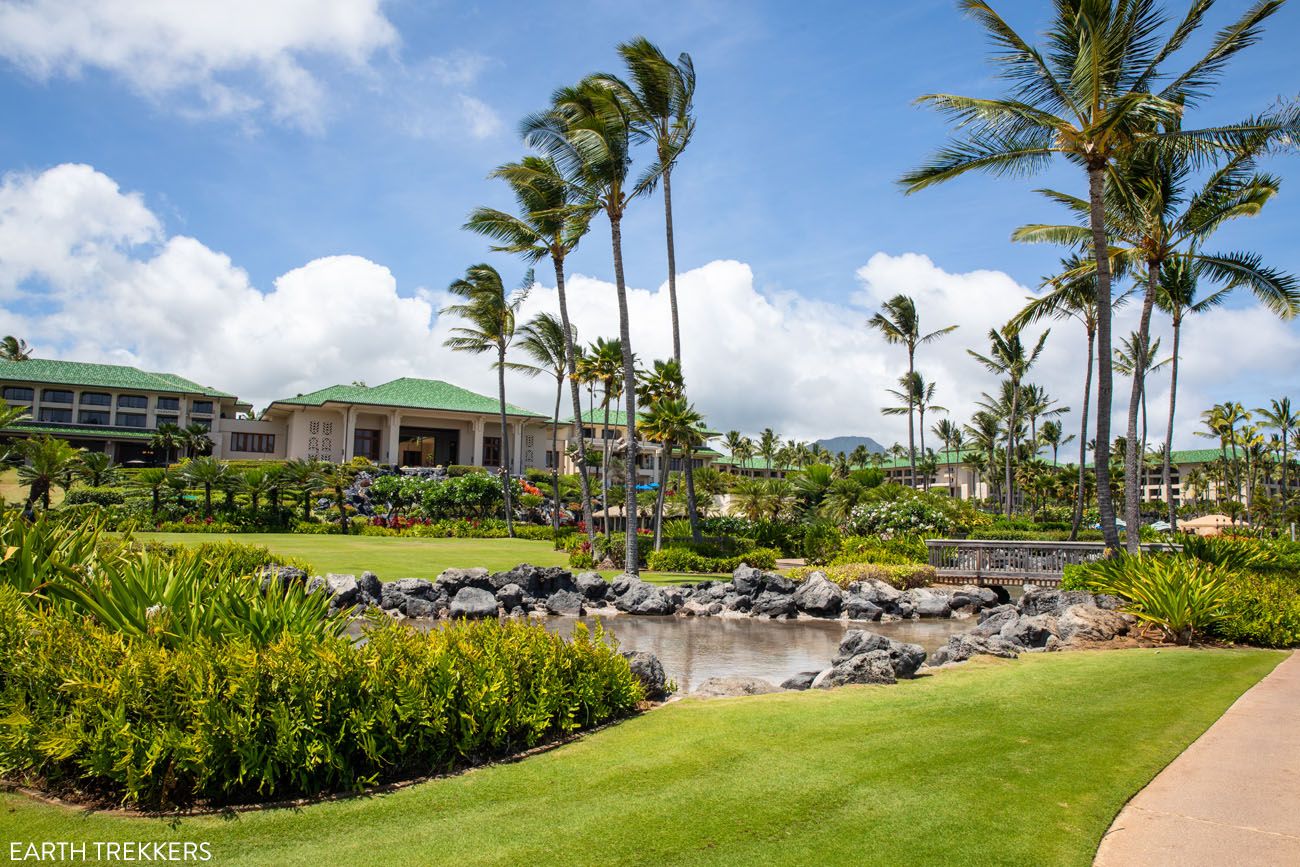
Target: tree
(984,429)
(489,316)
(1009,357)
(898,322)
(672,421)
(1037,403)
(168,439)
(1136,359)
(306,477)
(14,349)
(338,478)
(1279,416)
(153,479)
(917,396)
(256,483)
(664,383)
(49,462)
(768,445)
(604,365)
(545,342)
(195,439)
(658,99)
(588,132)
(1053,436)
(550,223)
(206,472)
(96,469)
(1088,98)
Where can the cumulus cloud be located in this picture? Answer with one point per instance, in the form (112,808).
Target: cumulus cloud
(226,58)
(88,272)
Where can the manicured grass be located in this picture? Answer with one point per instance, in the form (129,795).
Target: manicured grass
(392,557)
(996,762)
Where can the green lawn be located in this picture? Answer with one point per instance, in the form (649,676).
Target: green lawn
(392,557)
(996,762)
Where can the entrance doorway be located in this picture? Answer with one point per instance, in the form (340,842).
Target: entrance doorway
(428,447)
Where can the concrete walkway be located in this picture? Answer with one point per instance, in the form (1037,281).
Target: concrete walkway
(1232,798)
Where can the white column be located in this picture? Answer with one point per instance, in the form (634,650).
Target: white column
(476,451)
(519,448)
(349,432)
(394,437)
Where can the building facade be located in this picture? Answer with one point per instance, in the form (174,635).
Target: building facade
(592,431)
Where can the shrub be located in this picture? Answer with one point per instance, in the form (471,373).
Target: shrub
(231,721)
(899,550)
(686,560)
(901,576)
(905,515)
(821,542)
(94,496)
(1182,596)
(1263,610)
(227,557)
(455,470)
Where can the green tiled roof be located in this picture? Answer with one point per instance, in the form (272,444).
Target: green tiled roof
(66,431)
(752,464)
(408,393)
(617,418)
(1192,456)
(82,373)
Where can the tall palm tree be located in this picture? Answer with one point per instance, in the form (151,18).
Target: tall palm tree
(768,445)
(1039,404)
(984,428)
(544,341)
(1089,98)
(917,396)
(1008,356)
(604,364)
(14,349)
(206,472)
(663,382)
(1137,360)
(489,316)
(673,422)
(949,433)
(899,323)
(658,96)
(550,223)
(588,132)
(195,439)
(1279,416)
(168,439)
(1053,436)
(859,456)
(49,462)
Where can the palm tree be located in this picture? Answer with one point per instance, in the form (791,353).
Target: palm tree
(1089,99)
(489,314)
(604,365)
(549,224)
(672,421)
(306,477)
(96,469)
(1009,357)
(255,482)
(1037,403)
(195,439)
(168,438)
(733,441)
(48,462)
(1279,416)
(588,132)
(1053,436)
(917,396)
(14,349)
(543,339)
(1136,360)
(338,478)
(768,445)
(153,479)
(206,472)
(658,101)
(899,323)
(664,382)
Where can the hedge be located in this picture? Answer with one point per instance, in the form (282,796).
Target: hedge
(901,576)
(685,560)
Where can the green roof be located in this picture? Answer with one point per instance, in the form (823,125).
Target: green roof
(1191,456)
(408,393)
(752,464)
(617,418)
(66,431)
(83,373)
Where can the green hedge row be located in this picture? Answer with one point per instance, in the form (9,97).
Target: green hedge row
(902,576)
(686,560)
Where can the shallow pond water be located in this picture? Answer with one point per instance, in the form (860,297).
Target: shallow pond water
(693,649)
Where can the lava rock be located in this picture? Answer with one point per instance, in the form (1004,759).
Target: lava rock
(650,672)
(962,647)
(802,680)
(746,580)
(453,580)
(726,687)
(992,620)
(285,576)
(369,586)
(592,586)
(859,607)
(565,602)
(1090,623)
(421,608)
(774,583)
(1031,632)
(905,659)
(417,587)
(774,605)
(1045,600)
(510,597)
(819,596)
(871,667)
(473,603)
(343,588)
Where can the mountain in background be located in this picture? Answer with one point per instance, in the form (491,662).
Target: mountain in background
(835,445)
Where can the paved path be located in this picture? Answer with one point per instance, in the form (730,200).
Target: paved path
(1232,798)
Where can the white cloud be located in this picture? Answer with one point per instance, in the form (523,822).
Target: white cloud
(225,58)
(87,272)
(431,99)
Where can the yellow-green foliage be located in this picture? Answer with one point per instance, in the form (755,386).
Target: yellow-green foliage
(1181,595)
(901,576)
(228,721)
(901,550)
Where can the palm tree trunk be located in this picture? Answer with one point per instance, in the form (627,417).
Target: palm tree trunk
(629,390)
(1105,387)
(666,450)
(1011,443)
(604,465)
(570,360)
(911,418)
(306,504)
(672,263)
(505,441)
(692,512)
(555,460)
(207,499)
(1133,449)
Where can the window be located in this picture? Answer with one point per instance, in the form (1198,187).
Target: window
(18,394)
(252,442)
(365,444)
(96,398)
(550,459)
(130,419)
(56,395)
(491,451)
(132,401)
(610,433)
(160,420)
(56,415)
(172,403)
(589,433)
(92,416)
(201,406)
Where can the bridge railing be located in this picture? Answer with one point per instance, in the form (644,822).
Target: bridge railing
(1004,562)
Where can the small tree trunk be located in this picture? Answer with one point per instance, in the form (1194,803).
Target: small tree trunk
(555,460)
(604,467)
(672,262)
(1011,445)
(207,500)
(505,442)
(667,449)
(571,362)
(692,511)
(629,388)
(1101,454)
(1133,448)
(911,418)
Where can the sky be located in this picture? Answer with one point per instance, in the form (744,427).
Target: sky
(267,198)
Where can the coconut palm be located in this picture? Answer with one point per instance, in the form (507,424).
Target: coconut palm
(195,439)
(14,349)
(768,445)
(1279,416)
(543,340)
(588,132)
(917,396)
(489,316)
(1008,356)
(1136,359)
(48,462)
(1096,94)
(603,363)
(207,473)
(664,382)
(1036,403)
(900,324)
(168,439)
(1053,436)
(549,223)
(658,97)
(673,422)
(96,469)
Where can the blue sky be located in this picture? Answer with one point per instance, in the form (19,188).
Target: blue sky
(805,121)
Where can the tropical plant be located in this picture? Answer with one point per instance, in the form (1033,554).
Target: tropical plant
(1008,356)
(153,479)
(1096,95)
(543,340)
(195,439)
(48,462)
(489,316)
(14,349)
(1182,596)
(97,469)
(168,439)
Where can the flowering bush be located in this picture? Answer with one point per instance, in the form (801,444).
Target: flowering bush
(904,516)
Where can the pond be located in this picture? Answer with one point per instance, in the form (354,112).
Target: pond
(693,649)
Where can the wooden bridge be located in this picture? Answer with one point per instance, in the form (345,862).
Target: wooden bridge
(989,561)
